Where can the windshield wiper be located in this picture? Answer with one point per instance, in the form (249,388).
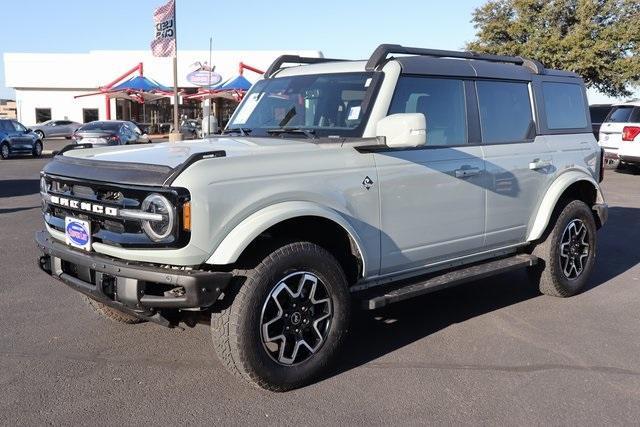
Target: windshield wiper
(241,131)
(309,133)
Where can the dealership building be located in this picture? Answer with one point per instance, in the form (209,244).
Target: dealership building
(49,86)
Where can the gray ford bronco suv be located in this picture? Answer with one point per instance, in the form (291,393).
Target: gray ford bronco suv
(337,184)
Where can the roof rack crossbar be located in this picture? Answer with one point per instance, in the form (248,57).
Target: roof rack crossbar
(295,59)
(384,50)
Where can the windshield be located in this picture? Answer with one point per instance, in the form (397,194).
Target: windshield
(101,126)
(324,104)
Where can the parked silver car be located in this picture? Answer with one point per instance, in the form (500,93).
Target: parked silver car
(55,129)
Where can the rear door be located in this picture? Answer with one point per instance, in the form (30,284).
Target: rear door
(63,128)
(518,163)
(432,198)
(611,130)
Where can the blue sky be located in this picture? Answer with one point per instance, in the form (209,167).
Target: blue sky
(339,28)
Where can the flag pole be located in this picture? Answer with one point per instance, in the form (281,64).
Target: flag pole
(176,128)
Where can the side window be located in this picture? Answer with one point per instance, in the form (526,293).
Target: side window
(18,127)
(442,101)
(6,126)
(505,112)
(564,106)
(635,115)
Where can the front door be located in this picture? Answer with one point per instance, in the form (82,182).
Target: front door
(20,137)
(432,198)
(432,205)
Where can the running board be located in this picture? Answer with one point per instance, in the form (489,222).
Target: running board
(375,298)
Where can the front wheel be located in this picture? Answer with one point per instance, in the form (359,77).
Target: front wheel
(4,151)
(568,252)
(40,134)
(37,149)
(287,320)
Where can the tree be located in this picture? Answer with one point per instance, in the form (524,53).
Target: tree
(598,39)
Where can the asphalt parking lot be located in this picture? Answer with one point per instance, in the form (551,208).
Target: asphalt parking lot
(489,352)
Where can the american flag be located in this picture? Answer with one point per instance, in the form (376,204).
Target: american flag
(164,18)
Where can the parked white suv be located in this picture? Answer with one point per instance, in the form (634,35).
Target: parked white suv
(620,133)
(374,181)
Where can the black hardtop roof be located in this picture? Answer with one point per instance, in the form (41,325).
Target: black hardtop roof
(440,62)
(471,68)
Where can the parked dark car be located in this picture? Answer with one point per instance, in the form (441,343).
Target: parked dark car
(191,128)
(599,113)
(17,139)
(110,132)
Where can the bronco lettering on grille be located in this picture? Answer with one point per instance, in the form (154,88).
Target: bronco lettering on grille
(84,206)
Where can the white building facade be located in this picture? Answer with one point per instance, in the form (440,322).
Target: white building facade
(46,84)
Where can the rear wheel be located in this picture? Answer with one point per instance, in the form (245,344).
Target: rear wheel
(37,149)
(112,313)
(4,150)
(287,320)
(568,252)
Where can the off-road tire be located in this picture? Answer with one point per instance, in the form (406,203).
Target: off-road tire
(235,329)
(112,313)
(549,272)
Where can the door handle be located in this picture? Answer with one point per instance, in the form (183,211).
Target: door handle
(539,164)
(467,172)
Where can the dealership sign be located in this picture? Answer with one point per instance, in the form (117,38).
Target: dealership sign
(204,78)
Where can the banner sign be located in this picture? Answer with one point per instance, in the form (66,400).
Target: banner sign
(164,42)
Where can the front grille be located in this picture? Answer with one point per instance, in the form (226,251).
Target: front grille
(113,231)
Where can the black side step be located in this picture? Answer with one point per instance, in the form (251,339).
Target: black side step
(376,298)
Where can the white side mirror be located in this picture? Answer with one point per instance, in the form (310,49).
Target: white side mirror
(403,130)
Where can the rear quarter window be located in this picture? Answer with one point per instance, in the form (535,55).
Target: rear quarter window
(564,105)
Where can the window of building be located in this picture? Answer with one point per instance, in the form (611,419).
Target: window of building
(564,106)
(43,114)
(89,115)
(505,112)
(442,101)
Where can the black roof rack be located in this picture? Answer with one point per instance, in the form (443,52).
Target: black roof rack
(295,59)
(379,56)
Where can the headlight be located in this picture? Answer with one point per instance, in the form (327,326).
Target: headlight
(44,187)
(158,230)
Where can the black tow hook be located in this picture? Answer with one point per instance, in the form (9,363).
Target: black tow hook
(44,262)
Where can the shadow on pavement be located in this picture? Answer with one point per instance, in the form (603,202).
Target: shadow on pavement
(19,187)
(376,333)
(13,210)
(614,256)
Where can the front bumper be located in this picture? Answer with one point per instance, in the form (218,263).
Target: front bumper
(128,286)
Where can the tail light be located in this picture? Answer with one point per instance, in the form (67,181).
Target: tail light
(629,133)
